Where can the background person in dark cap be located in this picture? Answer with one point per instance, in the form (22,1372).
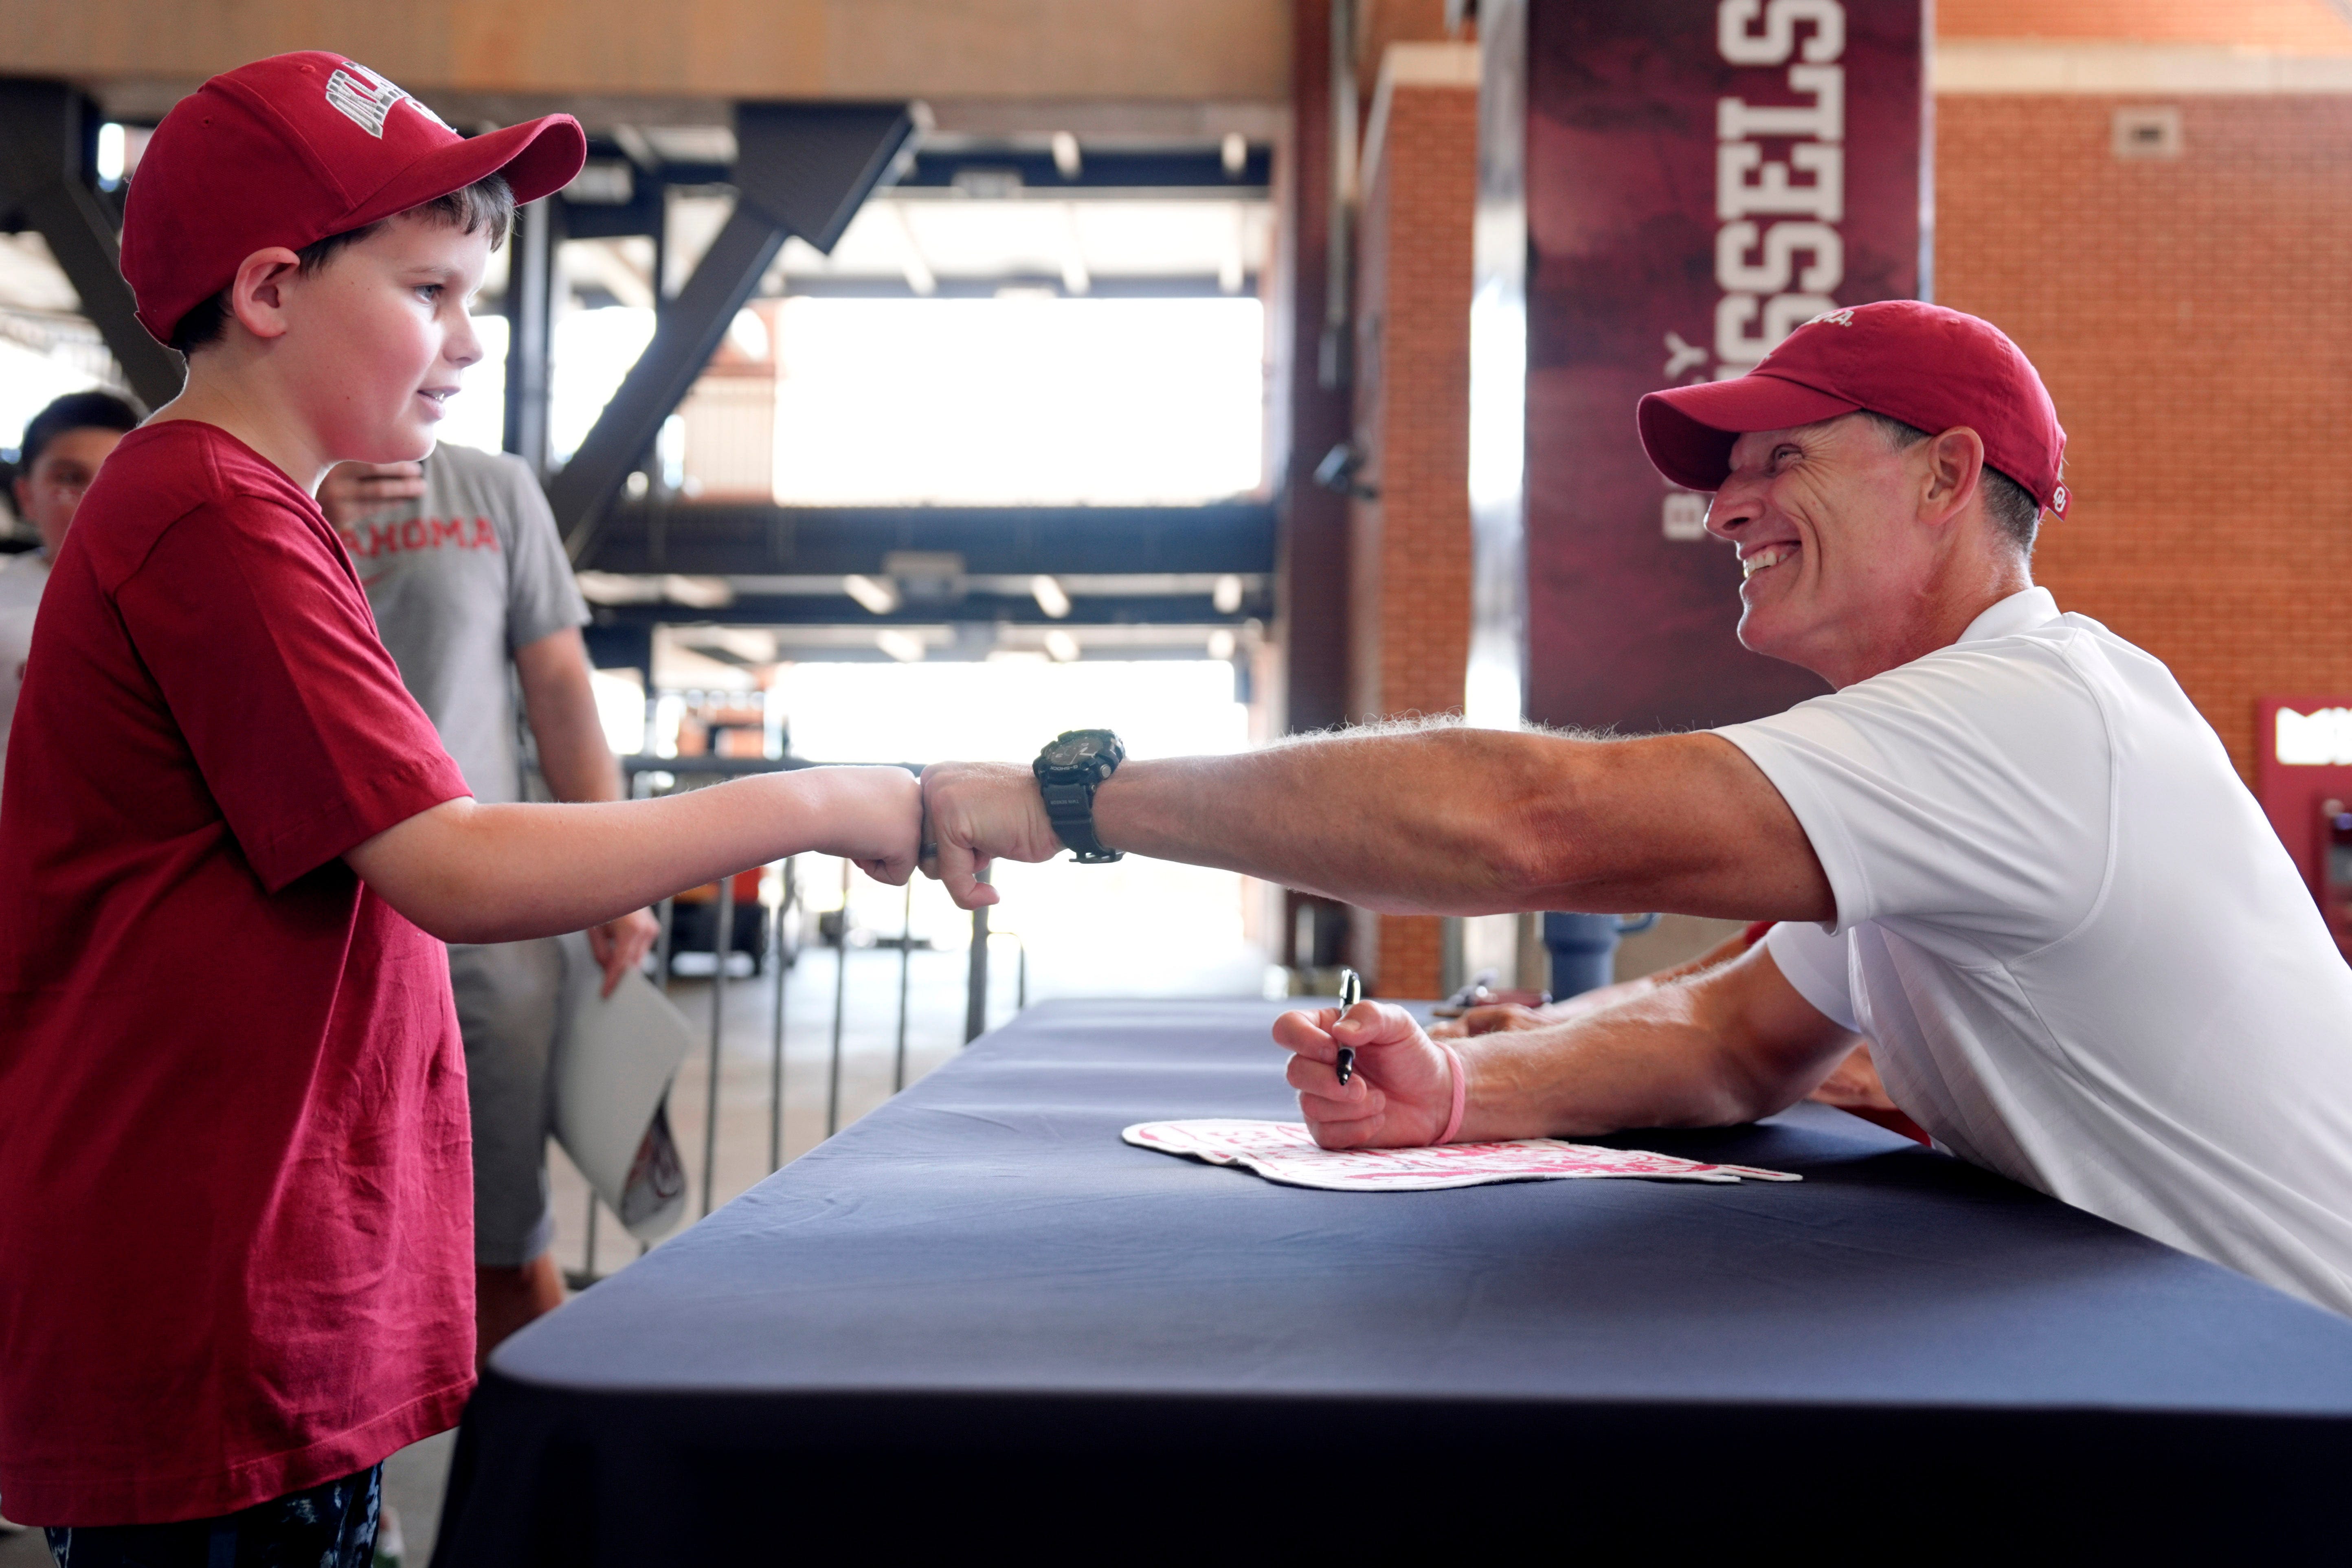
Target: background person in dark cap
(2007,847)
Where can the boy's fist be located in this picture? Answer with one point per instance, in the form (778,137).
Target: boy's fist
(871,816)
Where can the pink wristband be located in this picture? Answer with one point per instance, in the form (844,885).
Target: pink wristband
(1461,1091)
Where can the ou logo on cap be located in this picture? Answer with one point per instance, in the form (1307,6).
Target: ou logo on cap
(367,100)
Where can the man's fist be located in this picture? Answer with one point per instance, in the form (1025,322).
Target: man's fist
(1400,1093)
(980,812)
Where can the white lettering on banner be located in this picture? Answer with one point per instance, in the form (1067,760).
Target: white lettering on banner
(1783,315)
(2318,740)
(1742,47)
(1735,118)
(1783,163)
(1685,515)
(1782,243)
(1736,197)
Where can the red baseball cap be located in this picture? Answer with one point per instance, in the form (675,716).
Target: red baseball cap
(292,149)
(1926,366)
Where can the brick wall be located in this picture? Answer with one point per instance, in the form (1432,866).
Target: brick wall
(1410,550)
(2193,319)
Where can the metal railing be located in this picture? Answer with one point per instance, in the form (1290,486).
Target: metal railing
(781,894)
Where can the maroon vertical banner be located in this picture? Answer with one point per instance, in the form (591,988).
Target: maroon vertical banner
(1703,177)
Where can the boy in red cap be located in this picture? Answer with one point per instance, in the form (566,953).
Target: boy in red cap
(235,1209)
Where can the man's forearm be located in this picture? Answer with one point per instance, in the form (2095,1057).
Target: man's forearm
(1724,1047)
(1646,1062)
(1375,819)
(1459,821)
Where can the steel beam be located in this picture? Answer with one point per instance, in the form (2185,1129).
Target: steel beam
(43,130)
(750,539)
(800,169)
(530,288)
(618,621)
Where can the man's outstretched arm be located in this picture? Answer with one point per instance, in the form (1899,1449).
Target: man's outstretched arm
(1727,1046)
(1443,820)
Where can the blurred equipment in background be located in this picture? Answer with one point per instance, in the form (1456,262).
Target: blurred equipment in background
(1583,948)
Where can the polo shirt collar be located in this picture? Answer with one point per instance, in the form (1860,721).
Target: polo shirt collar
(2019,613)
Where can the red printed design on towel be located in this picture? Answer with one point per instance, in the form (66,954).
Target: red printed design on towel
(1284,1151)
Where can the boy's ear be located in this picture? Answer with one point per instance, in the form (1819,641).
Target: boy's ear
(257,297)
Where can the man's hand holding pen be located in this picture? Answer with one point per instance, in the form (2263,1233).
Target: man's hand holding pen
(1402,1093)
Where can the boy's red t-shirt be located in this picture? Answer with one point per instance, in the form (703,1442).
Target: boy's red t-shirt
(235,1190)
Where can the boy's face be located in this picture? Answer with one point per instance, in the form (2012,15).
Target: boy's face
(380,337)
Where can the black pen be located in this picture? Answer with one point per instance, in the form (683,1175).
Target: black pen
(1351,991)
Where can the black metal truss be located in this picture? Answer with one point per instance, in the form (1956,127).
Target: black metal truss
(801,168)
(1154,171)
(706,539)
(996,609)
(45,131)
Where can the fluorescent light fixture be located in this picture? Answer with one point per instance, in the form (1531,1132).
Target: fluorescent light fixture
(880,596)
(1221,643)
(1227,595)
(1049,595)
(110,154)
(1061,647)
(904,647)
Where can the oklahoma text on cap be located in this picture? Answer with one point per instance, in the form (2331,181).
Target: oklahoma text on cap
(1926,366)
(292,149)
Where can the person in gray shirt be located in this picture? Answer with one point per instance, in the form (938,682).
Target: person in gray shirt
(475,600)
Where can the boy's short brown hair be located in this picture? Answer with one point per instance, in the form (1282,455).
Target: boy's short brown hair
(488,203)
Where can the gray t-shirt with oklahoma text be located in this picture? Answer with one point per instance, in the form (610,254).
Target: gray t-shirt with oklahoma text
(459,581)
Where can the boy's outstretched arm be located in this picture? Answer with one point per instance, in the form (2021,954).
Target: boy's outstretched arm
(472,873)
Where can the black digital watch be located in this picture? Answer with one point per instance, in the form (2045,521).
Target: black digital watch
(1068,772)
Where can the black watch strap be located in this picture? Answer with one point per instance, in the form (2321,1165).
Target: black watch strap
(1067,776)
(1071,806)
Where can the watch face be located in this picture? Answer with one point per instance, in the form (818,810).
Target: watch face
(1073,753)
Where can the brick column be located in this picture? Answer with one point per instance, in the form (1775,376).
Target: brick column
(1409,548)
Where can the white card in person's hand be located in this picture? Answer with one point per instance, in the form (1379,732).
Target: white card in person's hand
(1284,1151)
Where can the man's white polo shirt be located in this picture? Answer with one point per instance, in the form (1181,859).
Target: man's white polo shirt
(2081,953)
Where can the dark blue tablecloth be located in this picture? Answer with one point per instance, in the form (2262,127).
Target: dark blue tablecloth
(976,1315)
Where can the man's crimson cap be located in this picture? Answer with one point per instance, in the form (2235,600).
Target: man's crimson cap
(292,149)
(1926,366)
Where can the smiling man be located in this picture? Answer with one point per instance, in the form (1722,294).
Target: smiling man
(2007,847)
